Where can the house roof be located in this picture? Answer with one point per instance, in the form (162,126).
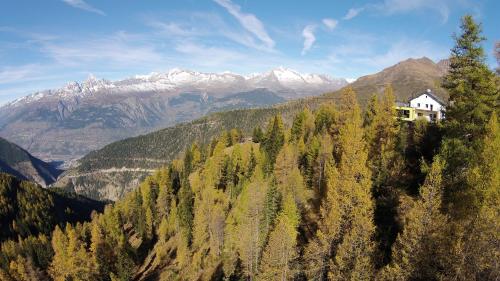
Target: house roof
(430,94)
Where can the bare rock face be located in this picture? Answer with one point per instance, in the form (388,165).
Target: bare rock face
(67,123)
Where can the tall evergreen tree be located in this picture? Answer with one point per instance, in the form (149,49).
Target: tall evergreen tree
(386,164)
(473,97)
(417,253)
(274,140)
(343,248)
(281,250)
(476,238)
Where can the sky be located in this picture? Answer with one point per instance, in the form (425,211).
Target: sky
(46,43)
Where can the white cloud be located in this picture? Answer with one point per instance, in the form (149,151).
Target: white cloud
(81,4)
(309,38)
(330,23)
(206,26)
(118,50)
(249,21)
(405,6)
(12,74)
(353,12)
(209,56)
(172,29)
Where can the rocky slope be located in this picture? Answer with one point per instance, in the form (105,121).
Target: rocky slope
(18,162)
(117,168)
(66,123)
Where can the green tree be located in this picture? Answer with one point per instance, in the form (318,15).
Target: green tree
(473,97)
(274,140)
(476,248)
(281,250)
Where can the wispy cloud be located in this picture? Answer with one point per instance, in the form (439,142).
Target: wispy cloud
(330,23)
(12,74)
(81,4)
(206,27)
(117,50)
(249,21)
(404,6)
(309,37)
(352,13)
(209,56)
(391,7)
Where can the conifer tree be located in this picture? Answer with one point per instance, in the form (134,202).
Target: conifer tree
(385,162)
(274,140)
(343,248)
(476,248)
(417,252)
(165,193)
(473,97)
(281,250)
(185,211)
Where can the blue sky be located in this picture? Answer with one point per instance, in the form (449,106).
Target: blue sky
(45,43)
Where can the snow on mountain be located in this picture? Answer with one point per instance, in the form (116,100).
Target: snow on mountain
(175,80)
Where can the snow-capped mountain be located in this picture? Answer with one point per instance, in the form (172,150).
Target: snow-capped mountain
(66,123)
(289,83)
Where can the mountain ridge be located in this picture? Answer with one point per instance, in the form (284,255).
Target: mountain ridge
(18,162)
(66,123)
(407,79)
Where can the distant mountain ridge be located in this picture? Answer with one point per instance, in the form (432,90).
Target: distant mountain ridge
(118,167)
(66,123)
(18,162)
(282,79)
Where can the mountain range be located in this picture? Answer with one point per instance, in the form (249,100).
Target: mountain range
(67,123)
(110,172)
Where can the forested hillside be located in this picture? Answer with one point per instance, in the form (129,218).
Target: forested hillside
(28,209)
(336,194)
(16,161)
(112,171)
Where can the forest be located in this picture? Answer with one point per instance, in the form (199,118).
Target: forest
(344,193)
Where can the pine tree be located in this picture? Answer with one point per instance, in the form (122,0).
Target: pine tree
(343,248)
(417,253)
(244,228)
(185,211)
(274,140)
(258,135)
(288,177)
(475,248)
(473,98)
(302,126)
(386,164)
(165,193)
(100,250)
(281,250)
(59,266)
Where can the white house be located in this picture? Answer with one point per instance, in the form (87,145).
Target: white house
(425,105)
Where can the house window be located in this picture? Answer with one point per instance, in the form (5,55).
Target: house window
(418,104)
(432,106)
(419,114)
(426,105)
(404,113)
